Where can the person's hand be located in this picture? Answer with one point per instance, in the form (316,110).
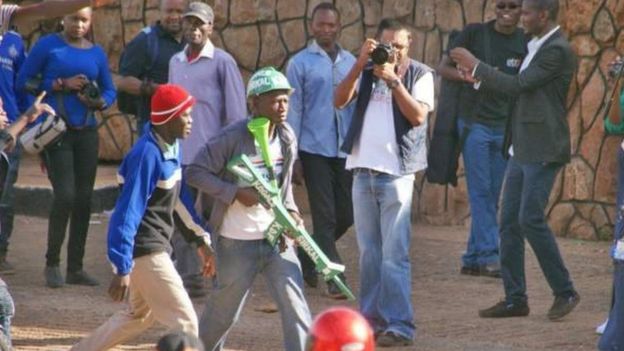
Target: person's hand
(208,268)
(75,83)
(466,75)
(297,173)
(298,223)
(385,72)
(247,196)
(365,51)
(119,287)
(464,59)
(38,108)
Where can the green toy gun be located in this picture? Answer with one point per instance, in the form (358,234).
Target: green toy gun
(269,193)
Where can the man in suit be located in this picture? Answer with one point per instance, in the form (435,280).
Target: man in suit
(540,139)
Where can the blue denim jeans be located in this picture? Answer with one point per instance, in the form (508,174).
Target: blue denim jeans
(238,264)
(485,169)
(525,196)
(382,213)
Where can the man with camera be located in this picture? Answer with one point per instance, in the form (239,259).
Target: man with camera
(320,129)
(386,145)
(144,63)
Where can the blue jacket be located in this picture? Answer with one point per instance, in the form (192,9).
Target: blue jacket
(12,56)
(148,206)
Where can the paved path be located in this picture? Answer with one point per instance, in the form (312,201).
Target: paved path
(445,303)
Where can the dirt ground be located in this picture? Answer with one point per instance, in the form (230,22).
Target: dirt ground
(445,303)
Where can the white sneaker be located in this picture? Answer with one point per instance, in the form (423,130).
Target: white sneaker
(601,328)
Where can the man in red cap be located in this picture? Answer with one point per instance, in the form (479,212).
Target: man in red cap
(141,226)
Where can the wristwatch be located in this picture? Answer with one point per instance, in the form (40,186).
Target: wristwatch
(393,84)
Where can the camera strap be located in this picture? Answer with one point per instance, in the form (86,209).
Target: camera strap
(62,112)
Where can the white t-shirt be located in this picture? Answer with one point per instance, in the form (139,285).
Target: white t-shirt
(380,151)
(249,223)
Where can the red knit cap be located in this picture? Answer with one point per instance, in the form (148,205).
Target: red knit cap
(169,101)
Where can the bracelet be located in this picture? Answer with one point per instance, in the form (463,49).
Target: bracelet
(393,84)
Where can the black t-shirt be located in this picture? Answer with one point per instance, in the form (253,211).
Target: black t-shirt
(490,107)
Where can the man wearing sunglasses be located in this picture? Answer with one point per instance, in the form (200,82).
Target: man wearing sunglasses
(540,135)
(482,114)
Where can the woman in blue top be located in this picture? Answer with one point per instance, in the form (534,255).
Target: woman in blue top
(76,76)
(613,336)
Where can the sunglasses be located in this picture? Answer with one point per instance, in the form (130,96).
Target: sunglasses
(509,6)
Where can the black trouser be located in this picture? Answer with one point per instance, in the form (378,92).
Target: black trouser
(7,200)
(72,165)
(329,193)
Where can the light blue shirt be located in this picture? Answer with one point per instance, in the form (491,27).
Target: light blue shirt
(318,125)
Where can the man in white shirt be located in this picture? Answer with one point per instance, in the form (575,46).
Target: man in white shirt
(386,145)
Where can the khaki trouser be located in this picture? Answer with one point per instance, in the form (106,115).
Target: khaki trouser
(156,294)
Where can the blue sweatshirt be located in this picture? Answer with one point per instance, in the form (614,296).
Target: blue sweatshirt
(54,58)
(150,204)
(12,56)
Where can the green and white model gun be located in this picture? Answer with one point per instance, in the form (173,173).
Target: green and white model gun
(269,193)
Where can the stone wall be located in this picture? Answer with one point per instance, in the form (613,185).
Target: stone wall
(268,32)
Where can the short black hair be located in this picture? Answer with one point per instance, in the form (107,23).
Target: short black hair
(325,6)
(552,6)
(390,24)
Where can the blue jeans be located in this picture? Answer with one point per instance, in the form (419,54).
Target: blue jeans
(7,201)
(525,196)
(238,263)
(382,213)
(485,168)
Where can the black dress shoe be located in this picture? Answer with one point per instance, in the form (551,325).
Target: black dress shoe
(334,292)
(80,278)
(562,306)
(504,310)
(469,270)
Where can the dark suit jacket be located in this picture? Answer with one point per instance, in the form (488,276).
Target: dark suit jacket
(539,125)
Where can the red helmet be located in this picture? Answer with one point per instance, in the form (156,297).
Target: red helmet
(340,329)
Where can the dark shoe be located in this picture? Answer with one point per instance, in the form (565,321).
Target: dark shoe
(490,270)
(392,339)
(334,292)
(469,270)
(562,306)
(53,276)
(311,279)
(504,310)
(80,278)
(5,267)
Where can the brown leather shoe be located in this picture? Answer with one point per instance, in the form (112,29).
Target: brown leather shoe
(562,306)
(505,310)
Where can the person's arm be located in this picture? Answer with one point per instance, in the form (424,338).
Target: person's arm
(447,68)
(414,111)
(140,178)
(29,116)
(233,91)
(132,66)
(346,90)
(295,103)
(549,63)
(52,9)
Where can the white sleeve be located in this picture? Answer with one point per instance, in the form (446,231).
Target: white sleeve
(423,90)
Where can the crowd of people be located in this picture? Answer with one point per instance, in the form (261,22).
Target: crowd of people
(352,128)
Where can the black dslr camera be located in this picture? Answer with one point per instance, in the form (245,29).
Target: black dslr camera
(381,54)
(91,91)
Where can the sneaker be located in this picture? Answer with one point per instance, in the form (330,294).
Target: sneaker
(334,292)
(504,310)
(80,278)
(53,277)
(392,339)
(562,306)
(601,328)
(490,270)
(5,267)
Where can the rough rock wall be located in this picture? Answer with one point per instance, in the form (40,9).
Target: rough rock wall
(268,32)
